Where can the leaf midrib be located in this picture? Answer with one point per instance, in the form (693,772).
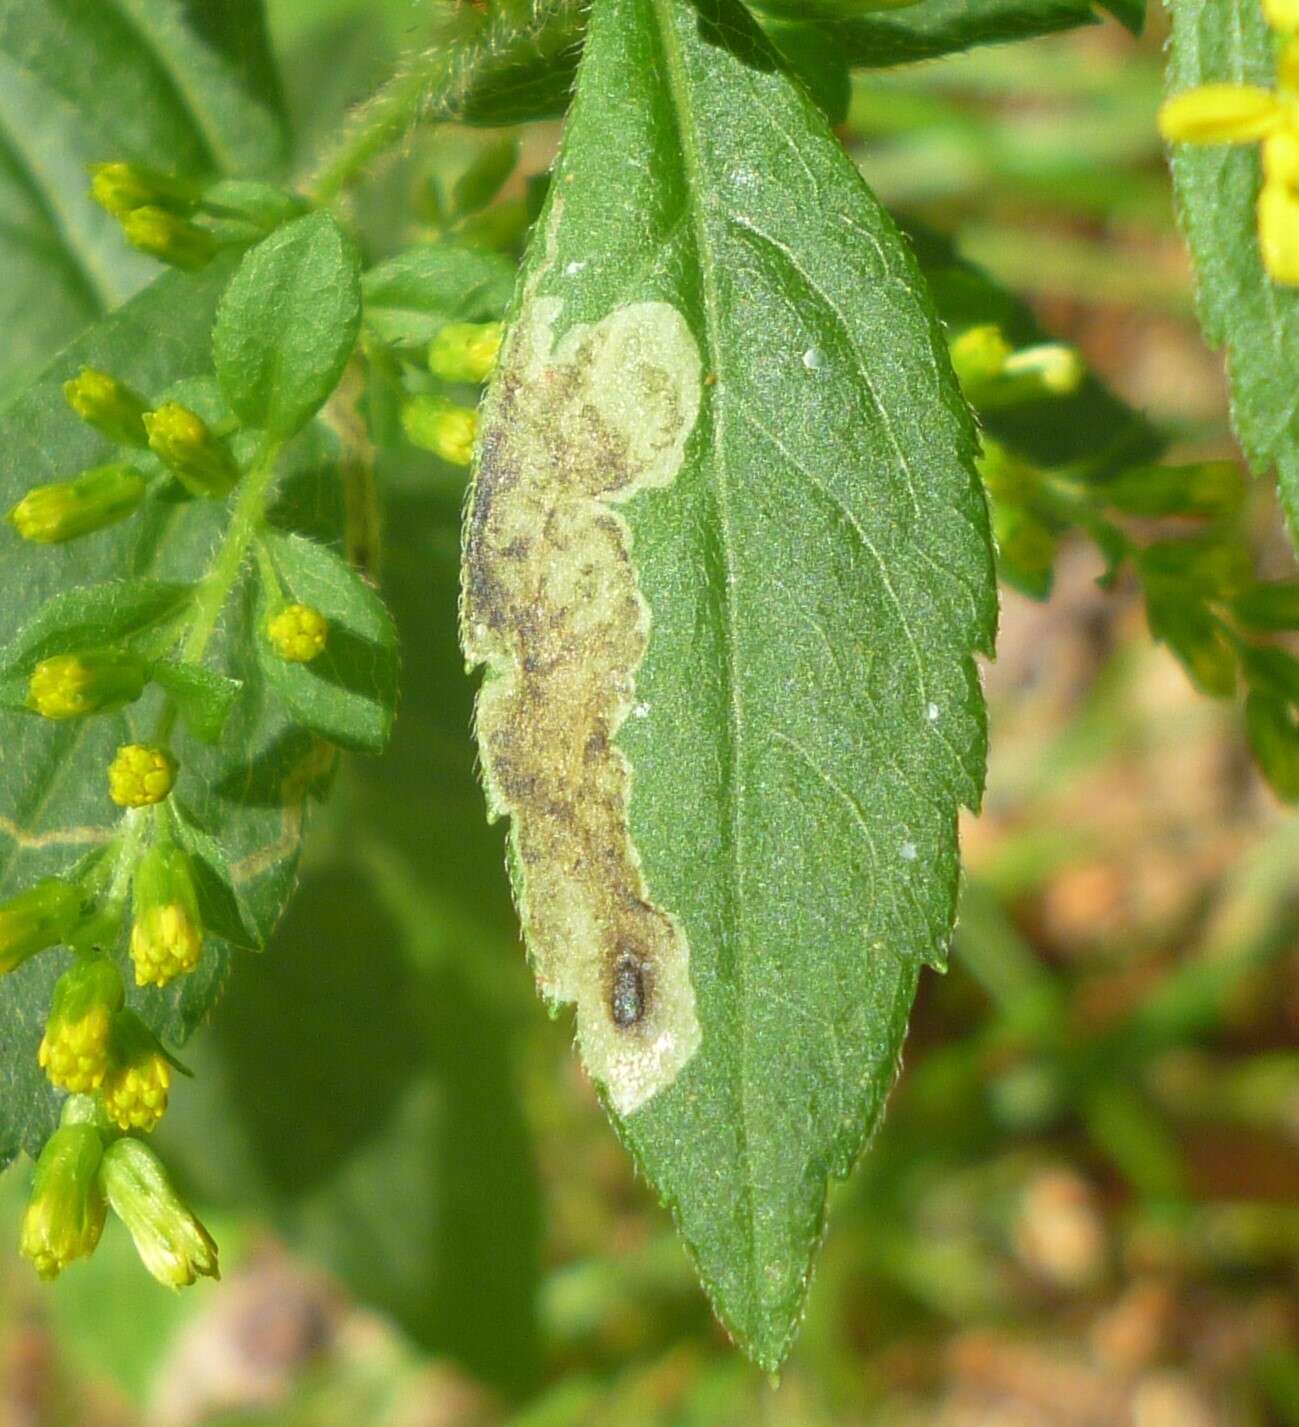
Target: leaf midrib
(677,85)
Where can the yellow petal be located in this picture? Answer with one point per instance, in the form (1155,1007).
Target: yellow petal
(1220,114)
(1281,158)
(1282,15)
(1278,232)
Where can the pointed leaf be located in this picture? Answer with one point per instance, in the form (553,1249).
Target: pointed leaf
(727,563)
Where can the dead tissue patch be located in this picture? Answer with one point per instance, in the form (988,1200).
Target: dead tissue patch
(552,607)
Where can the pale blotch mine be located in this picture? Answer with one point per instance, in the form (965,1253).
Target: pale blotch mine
(553,608)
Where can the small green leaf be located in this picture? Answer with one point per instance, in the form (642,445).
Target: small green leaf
(726,520)
(1195,637)
(91,617)
(1240,306)
(815,58)
(1271,671)
(1268,606)
(348,693)
(1273,733)
(411,297)
(203,697)
(220,903)
(485,176)
(287,324)
(939,27)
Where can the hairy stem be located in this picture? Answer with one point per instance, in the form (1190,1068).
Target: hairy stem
(433,85)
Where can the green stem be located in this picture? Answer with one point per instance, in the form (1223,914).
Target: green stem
(431,86)
(245,522)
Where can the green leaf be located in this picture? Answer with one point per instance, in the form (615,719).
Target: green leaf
(1240,307)
(287,324)
(485,176)
(91,617)
(1269,606)
(188,88)
(1129,13)
(771,607)
(203,697)
(1195,637)
(938,27)
(347,693)
(411,297)
(1274,739)
(250,791)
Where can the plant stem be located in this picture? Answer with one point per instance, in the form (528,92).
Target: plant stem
(220,579)
(431,85)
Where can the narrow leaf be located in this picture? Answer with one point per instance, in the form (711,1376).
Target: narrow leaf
(287,324)
(727,563)
(1240,306)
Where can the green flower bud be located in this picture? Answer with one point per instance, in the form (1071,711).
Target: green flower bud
(298,633)
(465,351)
(979,354)
(200,461)
(140,775)
(135,1085)
(172,1243)
(167,928)
(74,1050)
(170,239)
(108,405)
(66,1211)
(1050,369)
(73,685)
(41,916)
(122,188)
(437,425)
(65,509)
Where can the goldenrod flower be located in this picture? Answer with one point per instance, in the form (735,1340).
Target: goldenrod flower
(66,1211)
(75,1047)
(169,238)
(171,1241)
(199,460)
(465,351)
(41,916)
(167,928)
(63,510)
(140,775)
(1246,113)
(108,405)
(74,685)
(437,425)
(135,1085)
(298,633)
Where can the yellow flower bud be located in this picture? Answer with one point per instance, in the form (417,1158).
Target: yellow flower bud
(108,405)
(979,354)
(167,928)
(1278,232)
(1287,70)
(171,1241)
(168,238)
(121,188)
(437,425)
(297,633)
(135,1085)
(1055,366)
(466,351)
(66,1211)
(40,917)
(140,775)
(199,460)
(1282,15)
(74,1049)
(63,510)
(73,685)
(1220,114)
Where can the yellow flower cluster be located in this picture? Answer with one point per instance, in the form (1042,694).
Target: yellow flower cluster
(140,775)
(1249,113)
(298,633)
